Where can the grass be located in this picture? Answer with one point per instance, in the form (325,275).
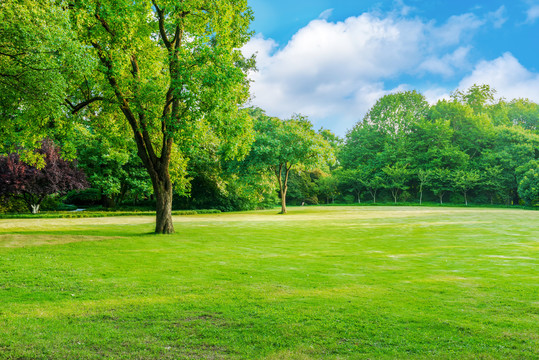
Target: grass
(318,283)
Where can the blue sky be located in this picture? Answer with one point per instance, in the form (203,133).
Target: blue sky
(331,60)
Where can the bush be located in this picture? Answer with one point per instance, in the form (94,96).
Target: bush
(86,197)
(528,188)
(96,214)
(12,205)
(66,207)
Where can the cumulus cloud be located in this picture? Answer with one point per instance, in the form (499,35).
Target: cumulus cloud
(507,76)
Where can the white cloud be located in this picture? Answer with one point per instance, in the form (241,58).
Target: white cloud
(325,14)
(506,75)
(448,63)
(532,14)
(498,17)
(456,29)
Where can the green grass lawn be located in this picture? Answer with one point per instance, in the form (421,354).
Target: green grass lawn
(318,283)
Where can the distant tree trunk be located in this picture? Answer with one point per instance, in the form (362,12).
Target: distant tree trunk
(283,183)
(465,198)
(107,201)
(420,194)
(516,198)
(358,197)
(441,196)
(33,203)
(373,194)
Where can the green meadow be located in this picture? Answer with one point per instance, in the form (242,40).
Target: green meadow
(317,283)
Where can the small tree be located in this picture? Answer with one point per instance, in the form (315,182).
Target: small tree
(328,187)
(373,185)
(423,177)
(282,144)
(440,182)
(492,181)
(33,184)
(465,181)
(351,180)
(397,176)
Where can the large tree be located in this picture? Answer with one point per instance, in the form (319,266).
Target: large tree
(172,70)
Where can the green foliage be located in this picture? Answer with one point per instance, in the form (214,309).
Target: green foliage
(394,115)
(12,205)
(281,145)
(38,58)
(464,181)
(85,197)
(328,187)
(440,182)
(528,186)
(397,178)
(470,131)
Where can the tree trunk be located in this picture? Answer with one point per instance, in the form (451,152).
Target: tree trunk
(283,186)
(35,208)
(163,206)
(359,198)
(465,199)
(283,201)
(420,195)
(107,201)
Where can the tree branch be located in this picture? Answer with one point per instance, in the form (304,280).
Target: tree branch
(102,21)
(162,32)
(76,108)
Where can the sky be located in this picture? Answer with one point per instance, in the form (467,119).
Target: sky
(331,60)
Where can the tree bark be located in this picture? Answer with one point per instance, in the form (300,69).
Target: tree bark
(163,219)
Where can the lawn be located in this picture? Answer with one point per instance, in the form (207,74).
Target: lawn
(318,283)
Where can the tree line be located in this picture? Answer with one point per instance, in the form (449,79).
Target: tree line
(471,147)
